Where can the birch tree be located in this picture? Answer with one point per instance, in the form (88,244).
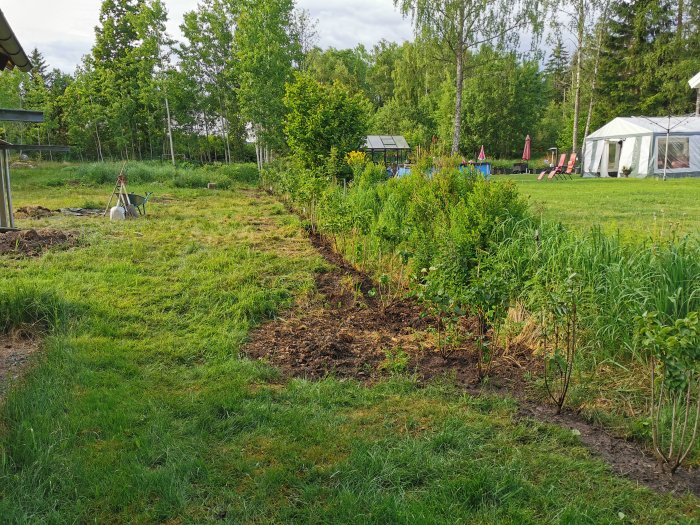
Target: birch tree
(266,50)
(461,25)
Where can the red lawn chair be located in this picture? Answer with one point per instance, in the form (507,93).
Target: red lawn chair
(556,170)
(569,168)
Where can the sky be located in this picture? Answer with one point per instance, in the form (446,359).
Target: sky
(64,30)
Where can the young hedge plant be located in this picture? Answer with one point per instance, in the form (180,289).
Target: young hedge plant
(560,336)
(675,387)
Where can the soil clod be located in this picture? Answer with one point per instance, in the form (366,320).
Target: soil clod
(34,242)
(33,212)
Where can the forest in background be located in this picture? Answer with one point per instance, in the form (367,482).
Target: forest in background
(228,80)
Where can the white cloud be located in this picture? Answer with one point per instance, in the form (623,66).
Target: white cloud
(64,31)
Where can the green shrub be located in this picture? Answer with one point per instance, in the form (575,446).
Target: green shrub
(462,226)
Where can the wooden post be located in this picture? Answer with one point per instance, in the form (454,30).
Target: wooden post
(4,215)
(170,130)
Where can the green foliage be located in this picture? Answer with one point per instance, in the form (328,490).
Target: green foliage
(144,410)
(102,173)
(265,51)
(676,347)
(675,386)
(322,119)
(30,308)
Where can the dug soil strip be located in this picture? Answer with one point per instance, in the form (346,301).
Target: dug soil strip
(345,331)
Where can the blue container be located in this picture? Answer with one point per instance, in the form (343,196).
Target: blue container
(484,168)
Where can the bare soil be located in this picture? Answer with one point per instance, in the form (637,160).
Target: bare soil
(15,352)
(346,331)
(33,212)
(34,242)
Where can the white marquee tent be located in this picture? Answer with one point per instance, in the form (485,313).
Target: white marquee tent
(640,145)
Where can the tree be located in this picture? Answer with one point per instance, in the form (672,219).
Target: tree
(635,58)
(557,69)
(39,64)
(265,51)
(305,34)
(461,25)
(119,78)
(322,118)
(580,14)
(210,69)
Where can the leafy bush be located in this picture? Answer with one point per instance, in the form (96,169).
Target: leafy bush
(675,385)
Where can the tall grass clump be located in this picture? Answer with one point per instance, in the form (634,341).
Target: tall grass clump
(26,306)
(622,280)
(224,175)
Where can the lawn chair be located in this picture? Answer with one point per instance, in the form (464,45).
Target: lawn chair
(139,201)
(569,168)
(557,168)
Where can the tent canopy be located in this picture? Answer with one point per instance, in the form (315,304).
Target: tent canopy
(636,126)
(638,146)
(695,82)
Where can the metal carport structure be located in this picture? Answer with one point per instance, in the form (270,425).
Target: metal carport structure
(12,55)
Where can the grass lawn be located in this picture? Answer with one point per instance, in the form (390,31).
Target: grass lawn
(143,411)
(641,206)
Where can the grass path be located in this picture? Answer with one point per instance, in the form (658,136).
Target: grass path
(143,412)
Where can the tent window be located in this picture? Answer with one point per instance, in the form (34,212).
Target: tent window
(678,153)
(613,148)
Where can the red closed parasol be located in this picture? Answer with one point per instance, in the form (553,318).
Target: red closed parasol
(482,154)
(527,151)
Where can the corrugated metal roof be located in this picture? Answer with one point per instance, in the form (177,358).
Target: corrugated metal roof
(11,52)
(386,143)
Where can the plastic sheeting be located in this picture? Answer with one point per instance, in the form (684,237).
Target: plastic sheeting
(588,156)
(598,156)
(627,155)
(644,156)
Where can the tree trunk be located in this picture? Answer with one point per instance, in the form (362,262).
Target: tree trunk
(596,67)
(579,54)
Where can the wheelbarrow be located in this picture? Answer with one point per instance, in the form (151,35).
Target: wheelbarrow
(139,201)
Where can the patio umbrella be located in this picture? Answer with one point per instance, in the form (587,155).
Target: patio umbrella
(482,154)
(526,151)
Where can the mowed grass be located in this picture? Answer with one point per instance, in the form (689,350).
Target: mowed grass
(636,207)
(142,409)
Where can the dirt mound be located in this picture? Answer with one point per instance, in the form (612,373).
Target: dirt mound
(34,242)
(345,331)
(33,212)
